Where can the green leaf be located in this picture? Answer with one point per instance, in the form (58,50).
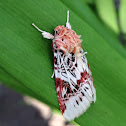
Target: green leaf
(122,15)
(11,82)
(107,13)
(89,1)
(27,58)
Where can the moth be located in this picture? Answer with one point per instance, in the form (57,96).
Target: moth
(74,82)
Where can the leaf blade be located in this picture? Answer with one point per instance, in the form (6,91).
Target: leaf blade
(26,56)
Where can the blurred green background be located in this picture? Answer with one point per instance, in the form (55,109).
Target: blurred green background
(26,58)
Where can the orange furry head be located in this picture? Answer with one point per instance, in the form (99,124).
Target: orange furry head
(67,40)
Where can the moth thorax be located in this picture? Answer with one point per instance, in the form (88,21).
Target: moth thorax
(66,40)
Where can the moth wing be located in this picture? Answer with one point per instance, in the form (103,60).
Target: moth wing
(74,84)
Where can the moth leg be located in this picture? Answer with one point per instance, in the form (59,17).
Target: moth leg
(44,33)
(85,53)
(68,23)
(52,75)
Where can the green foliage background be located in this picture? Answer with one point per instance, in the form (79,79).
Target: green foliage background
(26,58)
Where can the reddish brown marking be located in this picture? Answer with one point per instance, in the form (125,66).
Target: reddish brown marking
(62,107)
(88,66)
(84,77)
(80,81)
(55,68)
(68,86)
(59,84)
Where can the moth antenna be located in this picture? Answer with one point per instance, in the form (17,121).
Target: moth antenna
(44,33)
(67,16)
(37,28)
(67,23)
